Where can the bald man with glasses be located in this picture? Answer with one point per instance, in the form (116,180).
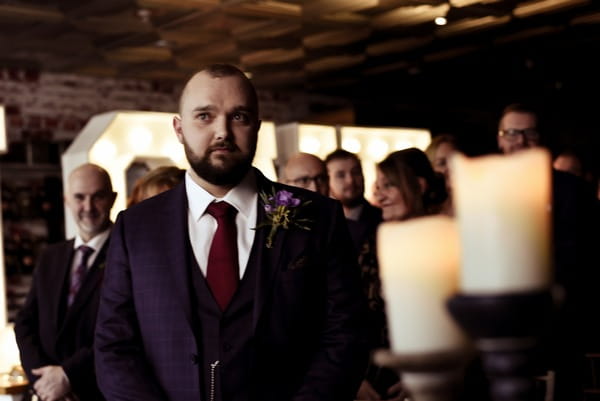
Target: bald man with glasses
(305,170)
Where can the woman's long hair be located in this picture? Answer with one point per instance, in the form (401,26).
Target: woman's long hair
(403,169)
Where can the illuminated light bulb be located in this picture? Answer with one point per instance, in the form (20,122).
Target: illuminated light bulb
(8,349)
(174,151)
(103,150)
(351,145)
(310,144)
(422,141)
(139,138)
(377,149)
(403,144)
(441,21)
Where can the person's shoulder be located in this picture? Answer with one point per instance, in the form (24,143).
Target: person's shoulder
(53,252)
(371,211)
(58,247)
(158,203)
(567,183)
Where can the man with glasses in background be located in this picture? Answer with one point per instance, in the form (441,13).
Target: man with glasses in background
(307,171)
(518,128)
(574,234)
(55,328)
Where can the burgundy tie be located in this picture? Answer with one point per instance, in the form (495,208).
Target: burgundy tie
(222,272)
(79,273)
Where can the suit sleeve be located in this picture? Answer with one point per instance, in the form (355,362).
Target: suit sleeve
(79,368)
(340,361)
(27,330)
(122,370)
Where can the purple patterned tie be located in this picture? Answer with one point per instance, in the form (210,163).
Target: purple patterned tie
(222,271)
(79,273)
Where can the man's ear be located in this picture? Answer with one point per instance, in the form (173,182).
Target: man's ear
(178,129)
(114,198)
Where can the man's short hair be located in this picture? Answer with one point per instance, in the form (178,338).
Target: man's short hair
(519,108)
(220,70)
(528,108)
(341,154)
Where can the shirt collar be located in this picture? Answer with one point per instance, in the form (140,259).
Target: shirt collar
(238,196)
(354,212)
(96,242)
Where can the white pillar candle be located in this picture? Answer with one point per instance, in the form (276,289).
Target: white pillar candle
(502,206)
(418,262)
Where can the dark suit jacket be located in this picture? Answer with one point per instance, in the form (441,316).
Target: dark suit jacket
(307,312)
(365,227)
(49,334)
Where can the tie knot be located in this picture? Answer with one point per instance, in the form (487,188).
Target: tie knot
(85,251)
(220,209)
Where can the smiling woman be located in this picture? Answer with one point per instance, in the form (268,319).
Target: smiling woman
(407,186)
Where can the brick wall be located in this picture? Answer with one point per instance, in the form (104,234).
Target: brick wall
(54,107)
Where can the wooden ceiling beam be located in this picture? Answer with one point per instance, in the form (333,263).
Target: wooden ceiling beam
(323,7)
(408,16)
(47,14)
(272,56)
(336,38)
(265,9)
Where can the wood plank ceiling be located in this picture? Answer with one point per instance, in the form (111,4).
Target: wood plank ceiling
(282,43)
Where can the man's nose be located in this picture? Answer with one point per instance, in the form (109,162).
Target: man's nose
(521,139)
(87,203)
(222,129)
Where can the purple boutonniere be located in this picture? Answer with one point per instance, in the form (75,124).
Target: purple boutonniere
(281,209)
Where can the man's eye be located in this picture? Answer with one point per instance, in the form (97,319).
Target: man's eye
(202,116)
(99,197)
(241,117)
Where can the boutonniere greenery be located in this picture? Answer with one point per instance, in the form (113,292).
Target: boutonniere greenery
(281,209)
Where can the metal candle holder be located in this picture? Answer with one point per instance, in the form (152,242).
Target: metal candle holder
(435,376)
(506,330)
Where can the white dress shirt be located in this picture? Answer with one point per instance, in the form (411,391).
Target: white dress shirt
(202,226)
(95,243)
(353,213)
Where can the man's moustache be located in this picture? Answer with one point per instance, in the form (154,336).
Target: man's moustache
(223,146)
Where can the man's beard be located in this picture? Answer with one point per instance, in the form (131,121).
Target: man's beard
(352,202)
(232,170)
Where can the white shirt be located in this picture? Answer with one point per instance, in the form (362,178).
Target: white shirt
(202,226)
(354,213)
(95,243)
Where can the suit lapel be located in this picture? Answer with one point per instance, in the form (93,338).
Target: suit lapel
(177,242)
(267,258)
(91,281)
(61,281)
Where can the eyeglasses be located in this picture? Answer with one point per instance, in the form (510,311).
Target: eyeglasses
(305,181)
(511,134)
